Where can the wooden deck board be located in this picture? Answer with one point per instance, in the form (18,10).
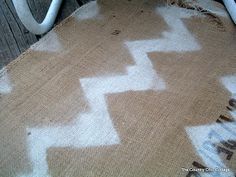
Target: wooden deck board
(14,37)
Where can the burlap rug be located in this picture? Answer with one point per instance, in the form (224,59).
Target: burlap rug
(124,89)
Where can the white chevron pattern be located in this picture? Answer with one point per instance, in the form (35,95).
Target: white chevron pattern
(95,128)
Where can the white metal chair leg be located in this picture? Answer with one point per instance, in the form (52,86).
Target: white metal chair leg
(26,17)
(33,26)
(231,7)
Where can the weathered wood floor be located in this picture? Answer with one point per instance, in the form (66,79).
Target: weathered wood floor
(14,37)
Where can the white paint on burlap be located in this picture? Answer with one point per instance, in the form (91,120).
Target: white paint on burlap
(205,144)
(95,127)
(201,135)
(49,43)
(87,11)
(5,84)
(230,84)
